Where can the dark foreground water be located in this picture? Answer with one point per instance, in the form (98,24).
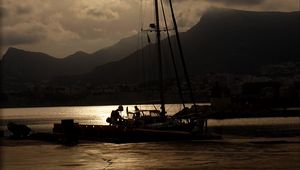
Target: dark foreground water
(225,154)
(264,143)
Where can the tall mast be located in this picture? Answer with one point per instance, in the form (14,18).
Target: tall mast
(186,75)
(162,97)
(172,56)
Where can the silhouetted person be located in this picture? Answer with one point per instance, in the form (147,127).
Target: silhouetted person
(198,126)
(138,122)
(115,116)
(137,112)
(18,131)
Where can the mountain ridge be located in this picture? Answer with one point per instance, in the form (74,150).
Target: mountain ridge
(238,42)
(75,64)
(224,40)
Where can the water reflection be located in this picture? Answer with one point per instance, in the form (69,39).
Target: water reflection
(230,153)
(42,119)
(156,155)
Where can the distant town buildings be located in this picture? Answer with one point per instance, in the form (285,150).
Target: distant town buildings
(267,85)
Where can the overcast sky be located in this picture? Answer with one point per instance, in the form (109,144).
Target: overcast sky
(62,27)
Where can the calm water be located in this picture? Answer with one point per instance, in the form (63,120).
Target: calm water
(42,119)
(246,144)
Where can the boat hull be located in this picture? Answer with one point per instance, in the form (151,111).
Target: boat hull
(121,134)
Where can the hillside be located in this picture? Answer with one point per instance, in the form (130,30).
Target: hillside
(18,65)
(25,66)
(224,40)
(82,62)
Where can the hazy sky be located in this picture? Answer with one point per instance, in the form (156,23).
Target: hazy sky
(62,27)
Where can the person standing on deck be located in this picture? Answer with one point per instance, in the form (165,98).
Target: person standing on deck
(115,116)
(137,113)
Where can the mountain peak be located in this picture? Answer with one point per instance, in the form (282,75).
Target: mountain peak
(16,54)
(13,49)
(219,12)
(215,16)
(80,53)
(17,51)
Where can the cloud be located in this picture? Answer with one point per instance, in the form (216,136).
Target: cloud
(3,12)
(189,12)
(23,10)
(101,10)
(36,32)
(23,33)
(34,23)
(66,25)
(61,27)
(237,2)
(99,14)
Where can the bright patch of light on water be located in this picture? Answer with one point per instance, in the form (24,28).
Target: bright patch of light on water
(233,152)
(43,118)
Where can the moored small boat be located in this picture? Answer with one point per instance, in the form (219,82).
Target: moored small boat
(188,124)
(120,134)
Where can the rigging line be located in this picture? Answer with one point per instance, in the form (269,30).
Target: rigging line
(143,14)
(142,42)
(173,57)
(161,78)
(140,50)
(139,36)
(143,60)
(181,56)
(145,51)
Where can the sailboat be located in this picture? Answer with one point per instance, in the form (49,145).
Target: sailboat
(156,125)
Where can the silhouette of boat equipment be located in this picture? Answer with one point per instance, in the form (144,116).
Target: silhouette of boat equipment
(155,125)
(188,124)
